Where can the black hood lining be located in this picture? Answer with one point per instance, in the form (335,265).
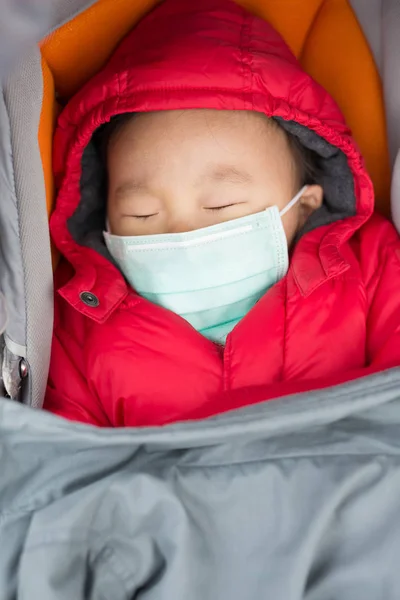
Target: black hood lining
(334,176)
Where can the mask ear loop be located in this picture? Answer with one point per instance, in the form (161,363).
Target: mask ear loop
(293,201)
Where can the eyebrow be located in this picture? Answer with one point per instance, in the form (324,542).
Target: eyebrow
(215,174)
(226,174)
(130,187)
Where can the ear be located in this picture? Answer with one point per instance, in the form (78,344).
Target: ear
(311,200)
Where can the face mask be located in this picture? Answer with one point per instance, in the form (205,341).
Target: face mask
(211,277)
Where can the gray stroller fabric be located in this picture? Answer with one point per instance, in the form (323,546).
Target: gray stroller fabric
(22,24)
(26,277)
(284,500)
(380,21)
(369,15)
(63,11)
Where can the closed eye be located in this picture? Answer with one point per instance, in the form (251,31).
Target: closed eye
(220,207)
(144,217)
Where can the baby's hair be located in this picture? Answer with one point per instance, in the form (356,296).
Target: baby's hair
(107,132)
(307,161)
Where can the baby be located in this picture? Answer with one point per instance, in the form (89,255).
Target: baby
(202,174)
(217,224)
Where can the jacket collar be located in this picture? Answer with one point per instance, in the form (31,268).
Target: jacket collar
(323,254)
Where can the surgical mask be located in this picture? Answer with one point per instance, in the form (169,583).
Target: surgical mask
(211,277)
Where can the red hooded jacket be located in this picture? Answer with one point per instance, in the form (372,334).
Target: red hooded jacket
(119,360)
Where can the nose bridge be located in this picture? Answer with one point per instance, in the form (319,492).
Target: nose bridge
(182,214)
(181,226)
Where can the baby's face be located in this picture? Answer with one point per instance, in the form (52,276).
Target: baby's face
(177,171)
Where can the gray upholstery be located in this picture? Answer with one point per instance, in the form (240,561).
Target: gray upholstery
(369,15)
(380,20)
(391,71)
(30,299)
(65,10)
(395,192)
(11,261)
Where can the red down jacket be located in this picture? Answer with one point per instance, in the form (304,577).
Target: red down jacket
(119,360)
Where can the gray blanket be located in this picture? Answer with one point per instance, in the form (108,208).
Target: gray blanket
(297,498)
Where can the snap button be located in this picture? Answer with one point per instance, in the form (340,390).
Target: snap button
(23,368)
(89,299)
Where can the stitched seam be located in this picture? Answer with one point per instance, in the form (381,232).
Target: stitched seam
(245,59)
(227,363)
(15,195)
(371,299)
(377,275)
(285,322)
(242,60)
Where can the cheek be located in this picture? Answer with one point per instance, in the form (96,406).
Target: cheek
(110,212)
(114,222)
(291,226)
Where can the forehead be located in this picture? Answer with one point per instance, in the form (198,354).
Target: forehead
(170,151)
(190,125)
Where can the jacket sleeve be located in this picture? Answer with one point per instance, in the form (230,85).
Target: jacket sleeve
(383,320)
(68,394)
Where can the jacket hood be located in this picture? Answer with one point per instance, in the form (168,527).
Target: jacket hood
(186,55)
